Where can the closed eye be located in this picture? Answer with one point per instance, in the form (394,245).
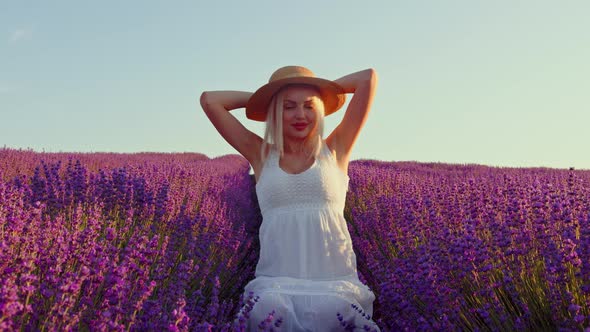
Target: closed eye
(289,107)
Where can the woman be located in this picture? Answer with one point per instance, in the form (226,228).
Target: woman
(307,269)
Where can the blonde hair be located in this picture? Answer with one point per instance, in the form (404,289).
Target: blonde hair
(273,133)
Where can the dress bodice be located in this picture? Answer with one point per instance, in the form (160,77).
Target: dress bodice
(322,184)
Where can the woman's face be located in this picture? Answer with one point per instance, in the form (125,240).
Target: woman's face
(300,107)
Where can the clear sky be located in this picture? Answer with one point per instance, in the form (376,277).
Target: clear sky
(499,83)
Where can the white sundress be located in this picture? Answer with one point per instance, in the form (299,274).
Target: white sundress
(307,269)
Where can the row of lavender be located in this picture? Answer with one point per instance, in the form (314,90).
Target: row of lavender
(167,241)
(452,247)
(127,242)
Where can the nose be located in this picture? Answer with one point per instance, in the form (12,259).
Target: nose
(300,112)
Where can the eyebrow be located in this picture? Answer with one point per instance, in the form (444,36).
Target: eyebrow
(292,101)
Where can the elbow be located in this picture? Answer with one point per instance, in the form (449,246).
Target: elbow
(369,78)
(372,76)
(204,101)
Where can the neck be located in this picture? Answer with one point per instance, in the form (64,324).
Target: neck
(296,146)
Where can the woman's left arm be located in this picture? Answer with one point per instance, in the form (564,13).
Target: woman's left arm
(363,84)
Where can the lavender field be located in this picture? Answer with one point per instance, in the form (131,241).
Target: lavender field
(155,241)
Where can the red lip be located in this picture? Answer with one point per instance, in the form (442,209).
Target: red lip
(299,126)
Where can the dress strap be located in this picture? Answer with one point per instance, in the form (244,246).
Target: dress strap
(326,150)
(331,159)
(269,157)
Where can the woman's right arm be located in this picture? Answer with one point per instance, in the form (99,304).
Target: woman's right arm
(217,105)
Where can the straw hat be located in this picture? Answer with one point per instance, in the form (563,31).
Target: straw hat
(332,93)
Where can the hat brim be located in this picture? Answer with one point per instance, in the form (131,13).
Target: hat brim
(333,95)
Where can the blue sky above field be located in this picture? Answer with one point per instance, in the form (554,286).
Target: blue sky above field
(502,83)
